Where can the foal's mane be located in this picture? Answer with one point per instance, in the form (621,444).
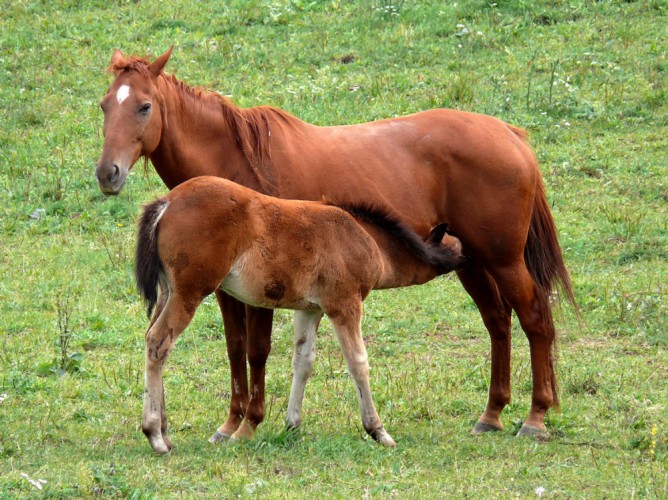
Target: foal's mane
(249,126)
(430,251)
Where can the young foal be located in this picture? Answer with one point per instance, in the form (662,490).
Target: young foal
(210,233)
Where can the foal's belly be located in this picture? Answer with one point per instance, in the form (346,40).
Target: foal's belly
(269,295)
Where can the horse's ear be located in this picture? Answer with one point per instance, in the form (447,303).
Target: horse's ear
(116,58)
(157,66)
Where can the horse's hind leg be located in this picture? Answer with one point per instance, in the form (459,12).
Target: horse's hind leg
(160,338)
(533,311)
(234,320)
(306,326)
(347,327)
(496,314)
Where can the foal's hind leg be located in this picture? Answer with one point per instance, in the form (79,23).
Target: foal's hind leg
(234,320)
(160,339)
(163,295)
(306,326)
(347,327)
(496,314)
(533,311)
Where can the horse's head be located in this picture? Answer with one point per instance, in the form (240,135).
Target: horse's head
(132,118)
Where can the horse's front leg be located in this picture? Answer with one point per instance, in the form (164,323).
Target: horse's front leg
(306,326)
(259,322)
(160,339)
(234,320)
(346,324)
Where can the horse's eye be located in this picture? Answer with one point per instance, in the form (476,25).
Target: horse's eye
(145,108)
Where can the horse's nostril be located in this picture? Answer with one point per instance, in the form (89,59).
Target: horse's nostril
(113,177)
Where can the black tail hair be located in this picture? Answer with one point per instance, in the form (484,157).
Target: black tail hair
(430,252)
(148,266)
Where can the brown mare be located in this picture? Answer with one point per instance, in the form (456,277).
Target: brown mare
(474,171)
(211,234)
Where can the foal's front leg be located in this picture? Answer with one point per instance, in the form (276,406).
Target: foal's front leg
(160,339)
(306,327)
(347,327)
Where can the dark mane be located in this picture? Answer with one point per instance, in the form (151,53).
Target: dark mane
(430,251)
(249,126)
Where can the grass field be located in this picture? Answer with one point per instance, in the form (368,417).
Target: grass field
(588,80)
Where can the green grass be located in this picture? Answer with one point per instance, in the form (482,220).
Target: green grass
(586,79)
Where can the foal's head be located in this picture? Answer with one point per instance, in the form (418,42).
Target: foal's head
(132,118)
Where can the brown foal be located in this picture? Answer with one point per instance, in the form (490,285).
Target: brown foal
(209,233)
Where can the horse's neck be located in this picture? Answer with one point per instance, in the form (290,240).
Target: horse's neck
(196,140)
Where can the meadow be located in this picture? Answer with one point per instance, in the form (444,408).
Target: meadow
(588,81)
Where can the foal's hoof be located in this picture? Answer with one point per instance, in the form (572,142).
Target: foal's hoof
(483,428)
(158,445)
(534,432)
(219,437)
(383,437)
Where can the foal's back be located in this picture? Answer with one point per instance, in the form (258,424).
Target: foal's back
(265,251)
(293,254)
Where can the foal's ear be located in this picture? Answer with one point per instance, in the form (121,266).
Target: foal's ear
(437,233)
(157,66)
(116,58)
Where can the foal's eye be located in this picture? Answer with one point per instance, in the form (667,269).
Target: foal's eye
(145,108)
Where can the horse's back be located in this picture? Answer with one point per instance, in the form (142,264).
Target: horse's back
(475,172)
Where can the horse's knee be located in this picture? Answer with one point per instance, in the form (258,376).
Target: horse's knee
(258,351)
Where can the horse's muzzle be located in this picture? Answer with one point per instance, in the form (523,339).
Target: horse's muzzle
(110,178)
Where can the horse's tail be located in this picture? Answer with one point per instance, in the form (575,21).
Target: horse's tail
(443,254)
(542,253)
(544,260)
(148,266)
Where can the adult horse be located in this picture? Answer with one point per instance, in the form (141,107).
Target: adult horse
(473,171)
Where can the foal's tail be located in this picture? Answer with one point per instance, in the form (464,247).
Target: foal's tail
(148,266)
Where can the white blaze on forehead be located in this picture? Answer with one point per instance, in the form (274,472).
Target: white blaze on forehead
(122,93)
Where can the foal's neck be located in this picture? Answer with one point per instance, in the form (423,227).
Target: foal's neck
(401,267)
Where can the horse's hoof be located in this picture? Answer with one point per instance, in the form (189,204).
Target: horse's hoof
(483,428)
(245,431)
(534,432)
(219,437)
